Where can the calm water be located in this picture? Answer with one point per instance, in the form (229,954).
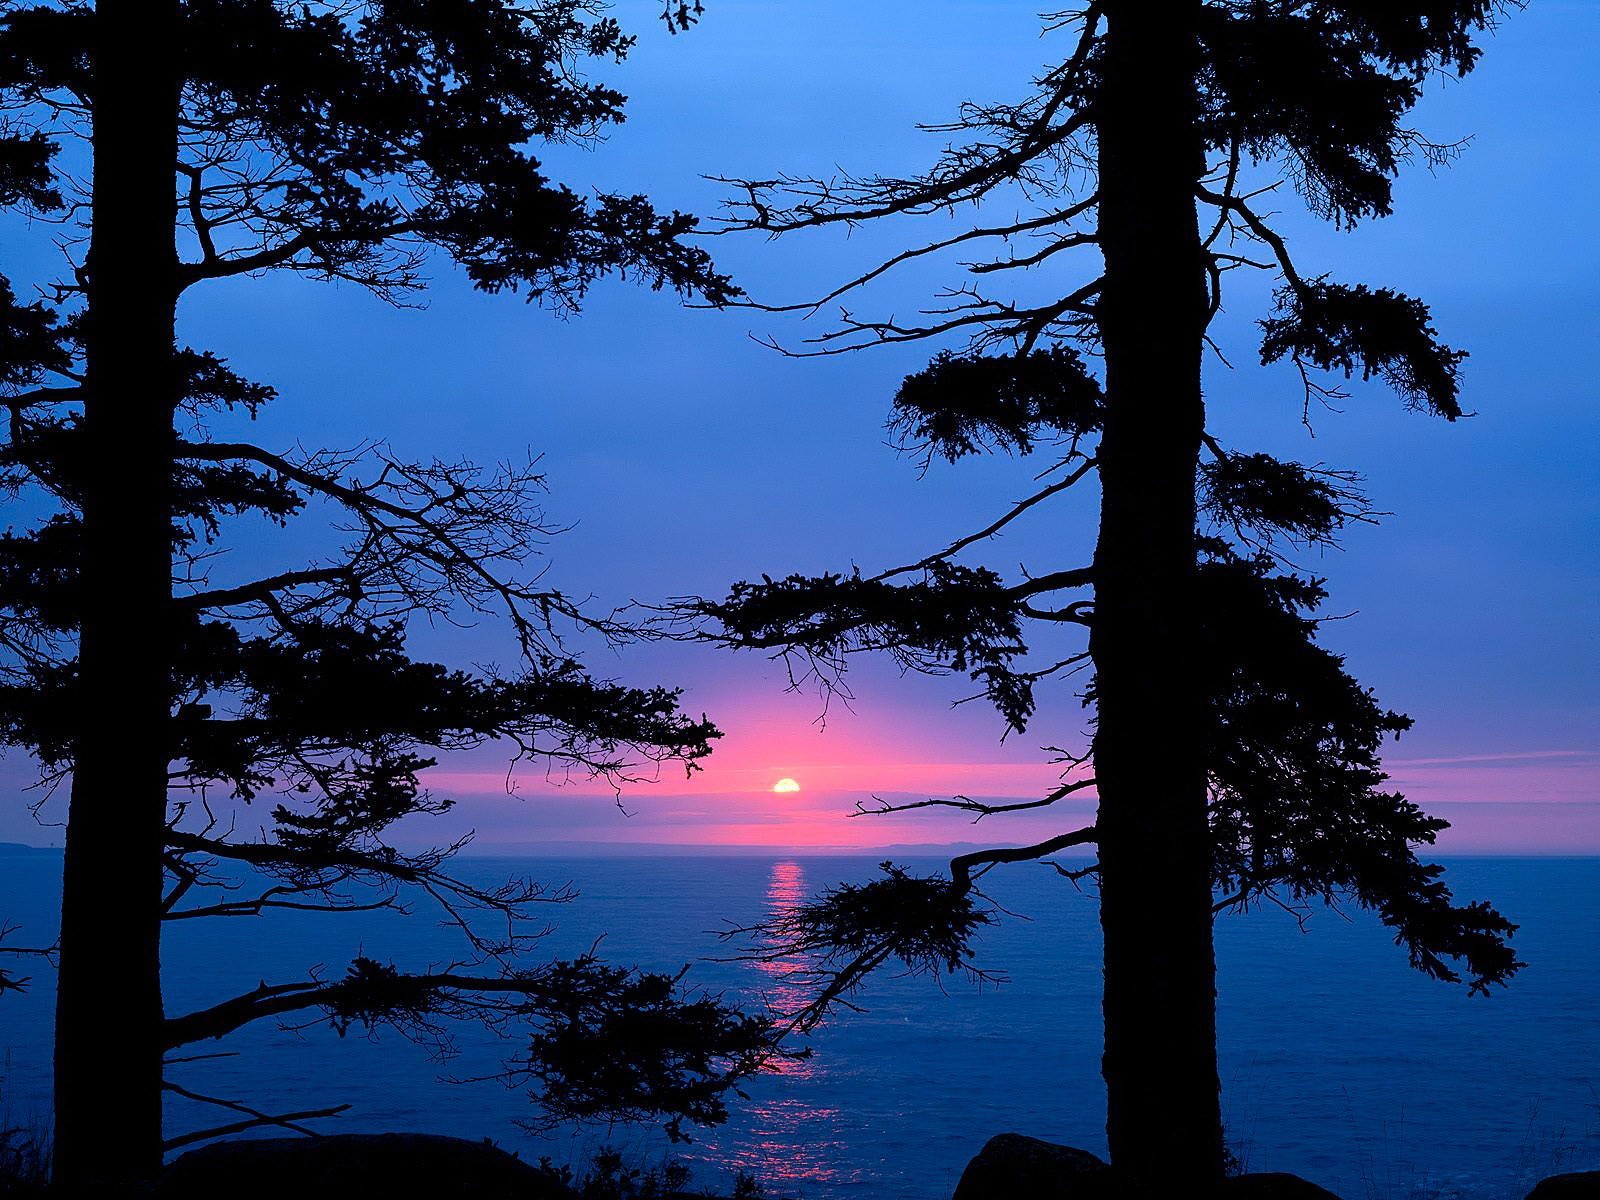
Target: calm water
(1338,1062)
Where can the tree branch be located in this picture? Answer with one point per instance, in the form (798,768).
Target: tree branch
(990,530)
(982,808)
(961,866)
(822,203)
(1055,581)
(1262,231)
(268,854)
(255,1119)
(1056,217)
(263,589)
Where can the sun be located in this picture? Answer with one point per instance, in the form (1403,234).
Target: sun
(786,785)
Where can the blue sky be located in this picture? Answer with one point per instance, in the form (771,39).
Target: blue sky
(688,456)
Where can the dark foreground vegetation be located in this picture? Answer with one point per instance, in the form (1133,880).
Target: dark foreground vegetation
(387,1164)
(1009,1167)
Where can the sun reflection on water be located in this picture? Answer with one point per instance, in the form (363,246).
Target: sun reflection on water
(785,1138)
(788,976)
(786,890)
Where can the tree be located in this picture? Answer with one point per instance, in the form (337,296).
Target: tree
(1234,759)
(208,140)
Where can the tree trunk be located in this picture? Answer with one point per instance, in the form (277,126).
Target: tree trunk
(1164,1117)
(108,1009)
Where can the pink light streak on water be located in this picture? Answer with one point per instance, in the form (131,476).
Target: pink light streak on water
(792,1140)
(788,976)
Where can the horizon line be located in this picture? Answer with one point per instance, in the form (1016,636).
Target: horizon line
(782,850)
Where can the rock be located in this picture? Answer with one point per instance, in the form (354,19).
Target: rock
(350,1165)
(1273,1185)
(1580,1185)
(1013,1167)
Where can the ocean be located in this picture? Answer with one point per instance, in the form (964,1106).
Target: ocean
(1338,1062)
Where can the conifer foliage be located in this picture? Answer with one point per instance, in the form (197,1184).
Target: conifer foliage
(241,743)
(1235,760)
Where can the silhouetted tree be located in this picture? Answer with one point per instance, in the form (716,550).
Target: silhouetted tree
(207,140)
(1234,759)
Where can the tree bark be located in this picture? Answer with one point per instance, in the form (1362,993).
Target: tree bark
(1164,1118)
(108,1009)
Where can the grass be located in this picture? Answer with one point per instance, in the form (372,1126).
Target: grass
(24,1161)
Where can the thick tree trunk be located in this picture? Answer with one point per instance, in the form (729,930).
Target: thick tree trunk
(1160,1066)
(108,1011)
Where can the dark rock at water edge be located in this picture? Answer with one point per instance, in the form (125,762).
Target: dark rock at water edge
(1014,1167)
(1273,1185)
(355,1166)
(383,1164)
(1023,1168)
(1580,1185)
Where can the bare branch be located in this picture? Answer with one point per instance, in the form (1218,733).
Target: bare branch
(1025,325)
(452,524)
(995,527)
(1055,217)
(982,808)
(1261,230)
(1055,581)
(9,982)
(262,589)
(968,175)
(961,871)
(254,1118)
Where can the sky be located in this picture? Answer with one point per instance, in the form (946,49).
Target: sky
(684,455)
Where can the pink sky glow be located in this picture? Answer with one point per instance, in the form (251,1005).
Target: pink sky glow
(1538,802)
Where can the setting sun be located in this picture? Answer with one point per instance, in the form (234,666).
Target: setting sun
(786,785)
